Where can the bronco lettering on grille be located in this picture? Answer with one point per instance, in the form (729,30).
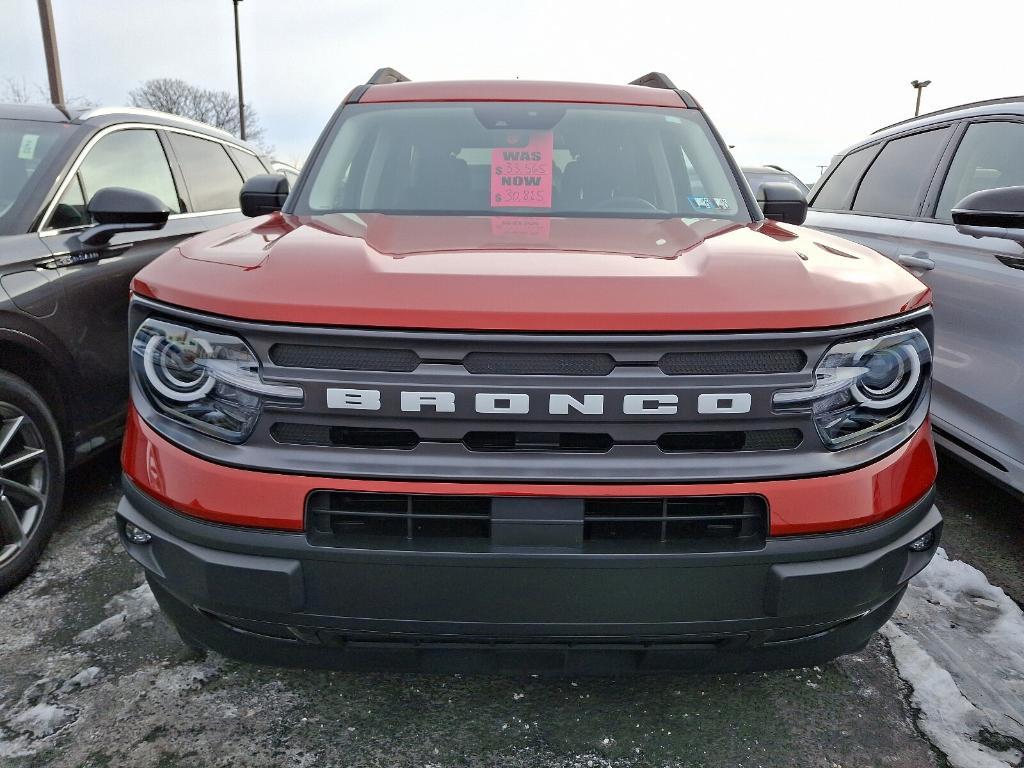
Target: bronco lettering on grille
(558,403)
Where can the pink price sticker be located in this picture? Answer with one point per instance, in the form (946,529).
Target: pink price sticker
(521,173)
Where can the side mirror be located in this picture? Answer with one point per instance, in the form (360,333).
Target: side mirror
(992,213)
(263,194)
(116,209)
(782,201)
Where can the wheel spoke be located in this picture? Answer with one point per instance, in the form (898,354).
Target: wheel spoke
(25,455)
(11,531)
(8,430)
(22,491)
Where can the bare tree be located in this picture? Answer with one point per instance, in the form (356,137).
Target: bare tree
(217,108)
(19,92)
(15,91)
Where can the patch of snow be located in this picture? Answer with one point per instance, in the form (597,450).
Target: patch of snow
(191,676)
(17,748)
(130,606)
(959,641)
(42,720)
(83,679)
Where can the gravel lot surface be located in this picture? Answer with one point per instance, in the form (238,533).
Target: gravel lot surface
(91,675)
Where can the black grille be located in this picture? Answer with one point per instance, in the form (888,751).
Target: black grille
(344,358)
(539,364)
(336,518)
(726,363)
(750,440)
(343,437)
(378,521)
(538,441)
(694,520)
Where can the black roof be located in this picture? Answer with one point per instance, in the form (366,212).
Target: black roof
(46,113)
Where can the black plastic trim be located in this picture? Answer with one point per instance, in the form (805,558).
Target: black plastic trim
(271,596)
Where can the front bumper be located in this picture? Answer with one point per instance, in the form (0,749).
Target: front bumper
(272,597)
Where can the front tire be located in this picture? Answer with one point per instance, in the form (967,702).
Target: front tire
(31,478)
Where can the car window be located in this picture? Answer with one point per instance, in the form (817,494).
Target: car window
(896,180)
(132,158)
(24,146)
(212,179)
(837,191)
(991,155)
(70,210)
(520,158)
(247,163)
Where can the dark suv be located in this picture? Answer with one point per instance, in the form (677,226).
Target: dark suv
(86,200)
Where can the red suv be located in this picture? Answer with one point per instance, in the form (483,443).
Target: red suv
(520,375)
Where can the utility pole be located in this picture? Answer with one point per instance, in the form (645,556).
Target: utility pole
(50,49)
(919,85)
(238,65)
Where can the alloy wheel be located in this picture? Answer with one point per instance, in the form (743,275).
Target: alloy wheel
(24,480)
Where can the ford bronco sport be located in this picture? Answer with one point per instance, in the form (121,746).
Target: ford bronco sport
(519,375)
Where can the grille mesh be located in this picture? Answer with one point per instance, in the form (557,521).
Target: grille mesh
(343,437)
(725,363)
(539,364)
(750,440)
(344,358)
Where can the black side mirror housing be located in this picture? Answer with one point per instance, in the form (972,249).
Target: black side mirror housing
(117,209)
(263,194)
(782,201)
(992,213)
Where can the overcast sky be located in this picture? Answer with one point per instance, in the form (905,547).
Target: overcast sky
(789,83)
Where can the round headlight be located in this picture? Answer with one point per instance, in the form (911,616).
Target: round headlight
(865,387)
(890,375)
(205,380)
(174,370)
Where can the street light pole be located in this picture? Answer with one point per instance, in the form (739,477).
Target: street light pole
(238,65)
(50,49)
(919,85)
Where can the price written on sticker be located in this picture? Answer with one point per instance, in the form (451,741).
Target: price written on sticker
(521,176)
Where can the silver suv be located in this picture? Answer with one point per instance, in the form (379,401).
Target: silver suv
(916,192)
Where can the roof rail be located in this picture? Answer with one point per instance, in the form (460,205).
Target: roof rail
(655,80)
(386,76)
(661,80)
(143,112)
(957,108)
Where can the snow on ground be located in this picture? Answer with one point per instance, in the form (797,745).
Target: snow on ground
(131,606)
(959,641)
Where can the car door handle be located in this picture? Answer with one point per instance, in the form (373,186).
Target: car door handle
(916,261)
(1014,262)
(84,256)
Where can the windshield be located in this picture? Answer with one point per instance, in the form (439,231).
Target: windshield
(521,159)
(24,144)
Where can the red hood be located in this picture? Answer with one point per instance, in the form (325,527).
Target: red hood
(530,274)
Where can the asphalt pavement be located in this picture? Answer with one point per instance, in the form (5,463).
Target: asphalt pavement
(91,675)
